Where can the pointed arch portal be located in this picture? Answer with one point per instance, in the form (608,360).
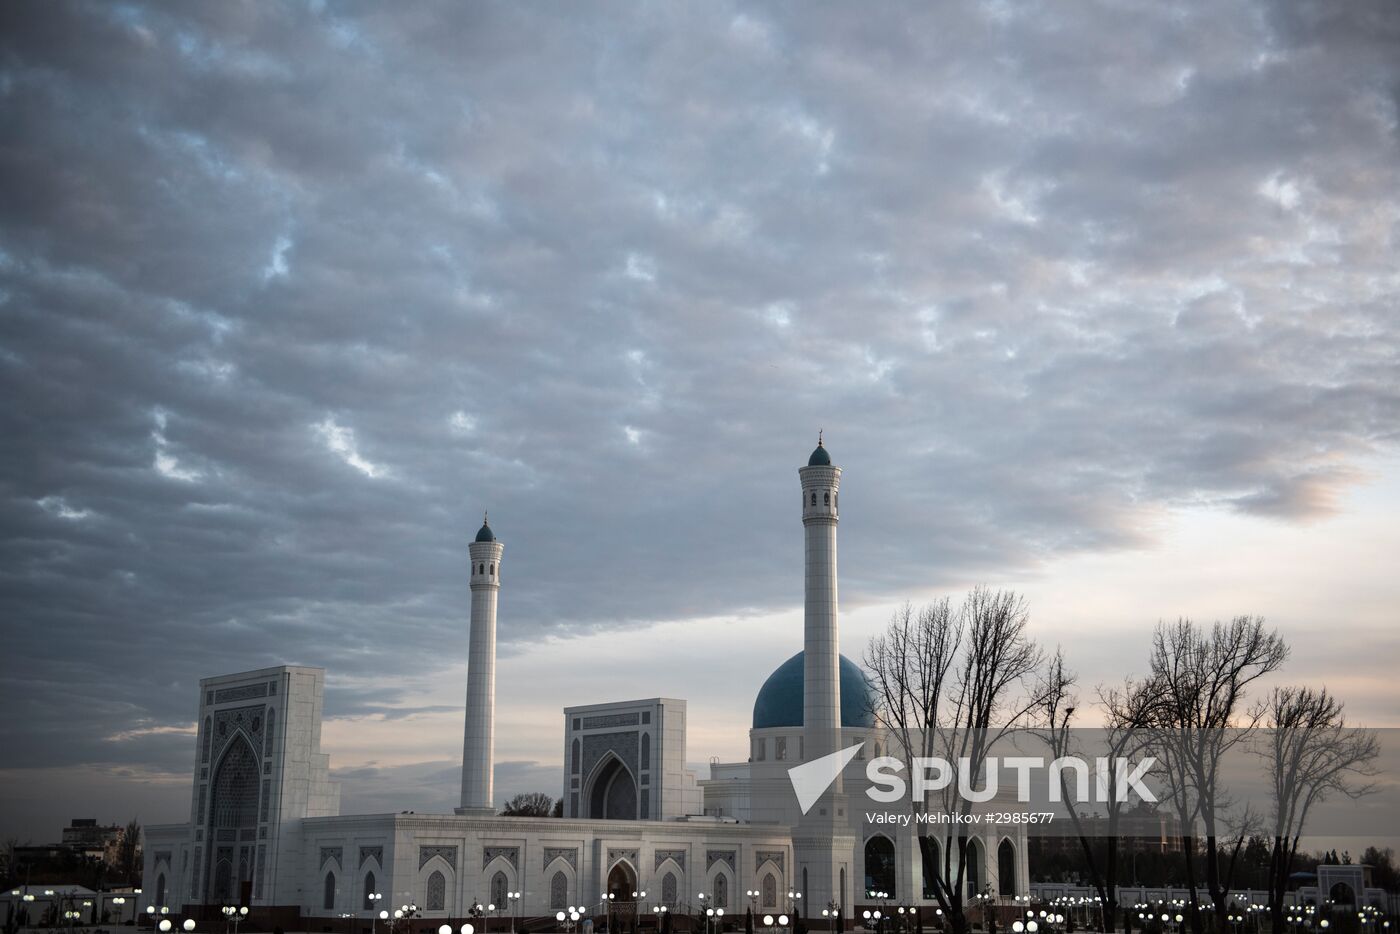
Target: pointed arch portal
(613,792)
(234,819)
(622,882)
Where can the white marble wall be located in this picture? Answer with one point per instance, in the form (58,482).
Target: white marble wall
(517,847)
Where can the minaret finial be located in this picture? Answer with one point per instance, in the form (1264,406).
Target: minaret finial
(486,514)
(819,437)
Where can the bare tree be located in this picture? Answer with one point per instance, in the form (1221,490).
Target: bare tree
(1128,715)
(129,853)
(529,804)
(950,684)
(1201,678)
(1311,753)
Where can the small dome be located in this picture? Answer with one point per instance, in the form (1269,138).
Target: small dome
(485,534)
(779,701)
(819,457)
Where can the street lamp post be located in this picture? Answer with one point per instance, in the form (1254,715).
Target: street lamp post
(833,912)
(373,898)
(511,899)
(795,904)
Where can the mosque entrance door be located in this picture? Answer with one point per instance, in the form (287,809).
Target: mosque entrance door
(621,884)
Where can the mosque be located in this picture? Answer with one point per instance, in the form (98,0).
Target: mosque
(640,832)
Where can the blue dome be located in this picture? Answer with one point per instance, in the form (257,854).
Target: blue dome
(485,534)
(819,457)
(779,701)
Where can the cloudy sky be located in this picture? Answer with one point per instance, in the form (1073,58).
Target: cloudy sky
(1099,302)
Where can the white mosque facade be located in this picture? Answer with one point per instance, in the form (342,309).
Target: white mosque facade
(265,828)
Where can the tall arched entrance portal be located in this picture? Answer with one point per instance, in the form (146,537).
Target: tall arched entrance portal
(622,882)
(612,792)
(233,824)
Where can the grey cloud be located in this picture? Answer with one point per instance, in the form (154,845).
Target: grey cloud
(1035,271)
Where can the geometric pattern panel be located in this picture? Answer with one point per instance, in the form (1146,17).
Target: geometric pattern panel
(621,853)
(375,853)
(568,853)
(511,855)
(227,724)
(607,720)
(663,855)
(448,853)
(720,856)
(763,856)
(247,692)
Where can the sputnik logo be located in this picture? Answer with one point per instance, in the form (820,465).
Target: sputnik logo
(810,780)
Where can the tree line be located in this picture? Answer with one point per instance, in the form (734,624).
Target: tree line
(954,681)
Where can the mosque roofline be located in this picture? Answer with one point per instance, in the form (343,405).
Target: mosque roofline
(607,705)
(259,673)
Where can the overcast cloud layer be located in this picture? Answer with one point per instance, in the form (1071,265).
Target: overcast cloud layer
(290,294)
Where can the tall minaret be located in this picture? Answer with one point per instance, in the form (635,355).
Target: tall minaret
(478,743)
(821,696)
(823,843)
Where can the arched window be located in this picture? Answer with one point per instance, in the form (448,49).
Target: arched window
(437,891)
(721,892)
(481,568)
(814,497)
(493,570)
(328,892)
(880,872)
(498,889)
(974,875)
(573,758)
(267,740)
(160,889)
(208,735)
(668,889)
(646,750)
(932,866)
(770,891)
(877,750)
(558,890)
(1006,868)
(369,890)
(826,499)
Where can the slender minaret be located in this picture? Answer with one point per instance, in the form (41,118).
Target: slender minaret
(478,743)
(823,842)
(821,696)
